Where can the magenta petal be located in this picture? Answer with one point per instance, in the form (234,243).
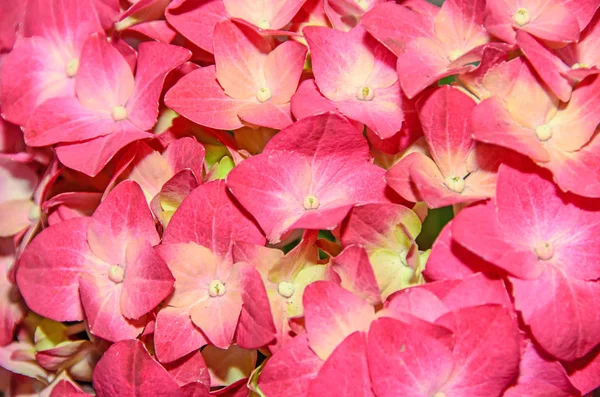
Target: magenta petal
(256,328)
(266,114)
(121,219)
(539,376)
(128,369)
(331,314)
(199,97)
(91,156)
(308,101)
(356,273)
(289,57)
(147,280)
(477,228)
(210,204)
(49,270)
(66,120)
(175,335)
(351,355)
(155,61)
(186,153)
(559,309)
(101,302)
(191,368)
(289,371)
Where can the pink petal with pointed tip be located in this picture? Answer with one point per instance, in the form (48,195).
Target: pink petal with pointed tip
(202,207)
(147,280)
(539,376)
(240,56)
(276,14)
(450,260)
(191,368)
(49,269)
(290,371)
(554,23)
(90,157)
(121,219)
(350,355)
(356,274)
(459,24)
(218,317)
(550,68)
(331,314)
(186,153)
(104,79)
(155,61)
(159,30)
(399,177)
(283,68)
(256,328)
(128,369)
(308,101)
(199,97)
(417,301)
(486,351)
(266,114)
(395,25)
(559,310)
(196,20)
(100,299)
(66,120)
(175,335)
(479,230)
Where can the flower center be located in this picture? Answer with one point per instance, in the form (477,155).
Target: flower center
(579,65)
(522,17)
(544,251)
(116,274)
(34,213)
(455,184)
(118,113)
(365,93)
(362,4)
(216,288)
(454,55)
(263,24)
(310,202)
(263,95)
(543,132)
(286,289)
(72,67)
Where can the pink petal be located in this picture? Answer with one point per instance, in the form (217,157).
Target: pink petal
(356,274)
(100,298)
(269,15)
(90,157)
(450,260)
(191,368)
(290,371)
(493,124)
(550,68)
(266,114)
(240,56)
(199,97)
(331,314)
(283,68)
(175,335)
(186,153)
(211,204)
(104,79)
(478,229)
(416,301)
(559,309)
(155,61)
(486,351)
(350,355)
(13,12)
(539,376)
(308,101)
(14,216)
(218,317)
(256,328)
(128,369)
(21,90)
(406,361)
(49,270)
(196,20)
(121,219)
(147,280)
(66,120)
(396,25)
(158,30)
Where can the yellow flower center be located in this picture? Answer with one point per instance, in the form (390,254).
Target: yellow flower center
(263,95)
(455,183)
(116,274)
(118,113)
(543,132)
(365,93)
(544,251)
(522,17)
(216,288)
(310,202)
(286,289)
(263,24)
(72,67)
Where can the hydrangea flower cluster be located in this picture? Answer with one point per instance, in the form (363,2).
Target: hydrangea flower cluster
(288,198)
